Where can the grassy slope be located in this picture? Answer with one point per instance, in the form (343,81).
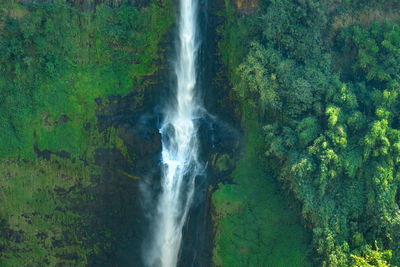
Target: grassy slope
(254,223)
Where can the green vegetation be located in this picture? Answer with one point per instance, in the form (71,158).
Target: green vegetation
(320,79)
(56,60)
(373,257)
(323,78)
(60,61)
(255,226)
(41,225)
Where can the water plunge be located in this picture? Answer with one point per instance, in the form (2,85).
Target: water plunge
(179,148)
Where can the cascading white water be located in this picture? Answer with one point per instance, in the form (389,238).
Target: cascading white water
(179,148)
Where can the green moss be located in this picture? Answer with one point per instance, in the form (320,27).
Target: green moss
(37,198)
(56,63)
(223,162)
(254,223)
(46,75)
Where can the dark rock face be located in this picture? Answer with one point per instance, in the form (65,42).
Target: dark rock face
(118,209)
(217,137)
(145,143)
(118,197)
(119,215)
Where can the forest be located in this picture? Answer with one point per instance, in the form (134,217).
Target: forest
(313,85)
(323,79)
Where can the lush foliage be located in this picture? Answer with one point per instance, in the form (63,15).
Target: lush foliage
(255,226)
(373,257)
(56,59)
(59,63)
(327,93)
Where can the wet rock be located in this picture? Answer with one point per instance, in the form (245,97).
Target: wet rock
(116,208)
(108,157)
(144,142)
(224,163)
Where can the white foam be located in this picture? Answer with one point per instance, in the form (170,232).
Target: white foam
(179,149)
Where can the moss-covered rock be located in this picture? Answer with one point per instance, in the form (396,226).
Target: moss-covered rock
(73,77)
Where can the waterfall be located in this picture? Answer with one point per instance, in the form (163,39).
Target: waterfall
(179,148)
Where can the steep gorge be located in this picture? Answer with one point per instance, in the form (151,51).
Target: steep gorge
(298,127)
